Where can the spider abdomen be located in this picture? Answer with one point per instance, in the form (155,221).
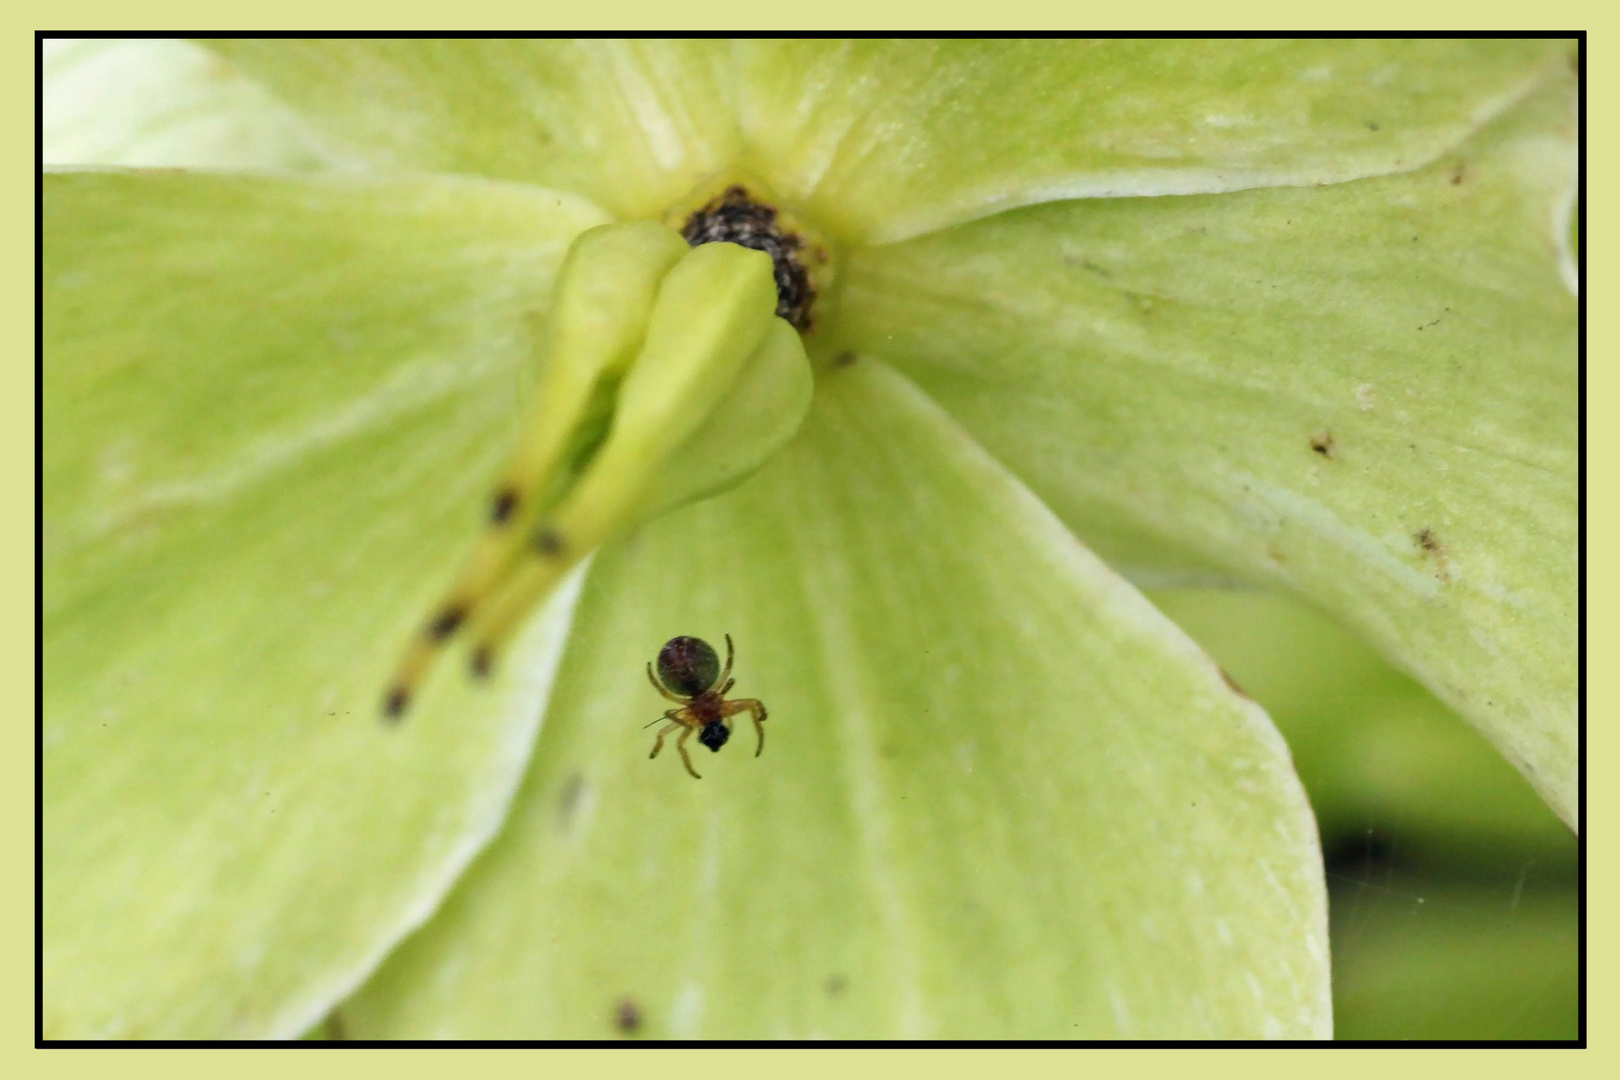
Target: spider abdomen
(688,665)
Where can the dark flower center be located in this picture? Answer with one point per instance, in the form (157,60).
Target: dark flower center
(737,219)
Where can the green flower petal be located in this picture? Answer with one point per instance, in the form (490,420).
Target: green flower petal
(1373,748)
(272,410)
(635,124)
(887,140)
(1366,392)
(153,102)
(1001,796)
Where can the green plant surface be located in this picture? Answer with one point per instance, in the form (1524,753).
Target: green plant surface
(1295,314)
(165,104)
(1329,413)
(231,839)
(1452,886)
(849,881)
(1376,752)
(876,139)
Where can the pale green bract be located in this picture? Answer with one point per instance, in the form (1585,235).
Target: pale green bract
(1296,313)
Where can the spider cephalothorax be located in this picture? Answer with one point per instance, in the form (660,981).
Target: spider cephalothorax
(689,673)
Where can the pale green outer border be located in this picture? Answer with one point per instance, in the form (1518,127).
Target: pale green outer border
(1603,517)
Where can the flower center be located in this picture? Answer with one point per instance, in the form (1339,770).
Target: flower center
(738,216)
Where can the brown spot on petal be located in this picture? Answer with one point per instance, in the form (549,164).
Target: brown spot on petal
(568,801)
(1232,684)
(446,622)
(500,509)
(396,702)
(1434,551)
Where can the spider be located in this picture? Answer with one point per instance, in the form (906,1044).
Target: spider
(689,674)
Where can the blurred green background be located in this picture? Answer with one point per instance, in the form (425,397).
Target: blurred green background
(1453,887)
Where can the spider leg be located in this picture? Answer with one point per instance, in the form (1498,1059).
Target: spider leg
(669,714)
(730,653)
(754,708)
(658,686)
(659,745)
(680,744)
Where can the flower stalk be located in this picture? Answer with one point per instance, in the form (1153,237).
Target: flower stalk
(668,377)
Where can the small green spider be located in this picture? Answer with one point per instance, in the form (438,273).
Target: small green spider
(689,674)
